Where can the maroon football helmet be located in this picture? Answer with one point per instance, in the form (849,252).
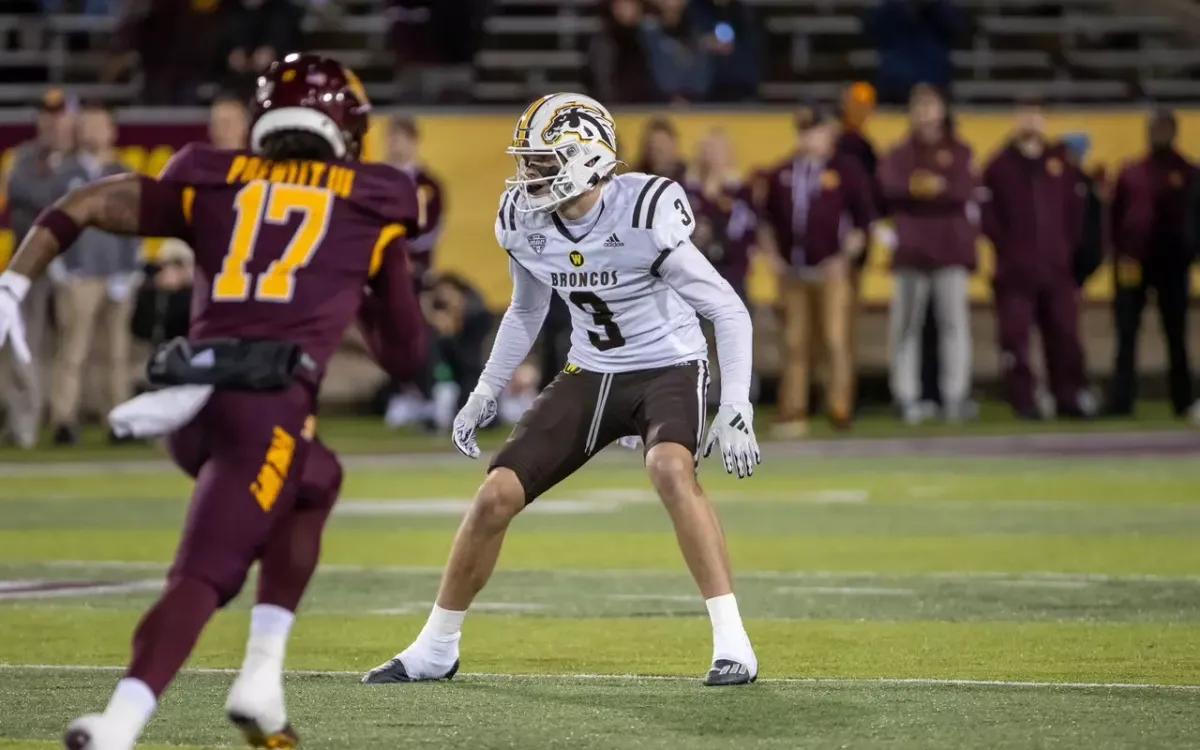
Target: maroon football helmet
(314,94)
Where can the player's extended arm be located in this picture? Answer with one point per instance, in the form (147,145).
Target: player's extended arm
(688,272)
(518,330)
(390,317)
(129,204)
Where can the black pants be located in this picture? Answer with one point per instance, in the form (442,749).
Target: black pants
(1170,282)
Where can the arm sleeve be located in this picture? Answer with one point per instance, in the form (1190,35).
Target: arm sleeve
(688,272)
(861,202)
(519,328)
(390,316)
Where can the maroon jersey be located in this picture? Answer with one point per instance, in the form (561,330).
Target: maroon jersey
(725,224)
(287,250)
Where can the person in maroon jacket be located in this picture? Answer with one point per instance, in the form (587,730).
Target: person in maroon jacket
(1033,215)
(815,209)
(294,239)
(1150,215)
(928,182)
(726,224)
(404,154)
(725,219)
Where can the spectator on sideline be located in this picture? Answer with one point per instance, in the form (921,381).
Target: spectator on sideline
(734,42)
(1034,217)
(175,44)
(1150,227)
(725,224)
(927,181)
(804,205)
(1090,252)
(674,43)
(33,183)
(93,287)
(858,104)
(404,154)
(914,39)
(659,152)
(228,125)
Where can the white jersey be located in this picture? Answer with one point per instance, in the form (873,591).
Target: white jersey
(624,315)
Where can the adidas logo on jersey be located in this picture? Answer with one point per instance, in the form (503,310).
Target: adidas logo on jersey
(613,241)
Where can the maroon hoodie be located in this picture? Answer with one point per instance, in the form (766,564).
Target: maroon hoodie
(1033,215)
(933,230)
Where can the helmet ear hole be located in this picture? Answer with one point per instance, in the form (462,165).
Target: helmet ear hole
(593,161)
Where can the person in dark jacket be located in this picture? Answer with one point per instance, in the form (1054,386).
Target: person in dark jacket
(1090,252)
(914,39)
(1034,218)
(858,104)
(928,182)
(1149,225)
(815,209)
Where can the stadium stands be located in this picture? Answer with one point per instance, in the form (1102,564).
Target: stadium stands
(1071,50)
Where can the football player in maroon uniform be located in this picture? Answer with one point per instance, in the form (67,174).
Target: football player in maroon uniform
(293,239)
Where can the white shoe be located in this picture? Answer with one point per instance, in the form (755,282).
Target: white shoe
(255,706)
(417,664)
(97,732)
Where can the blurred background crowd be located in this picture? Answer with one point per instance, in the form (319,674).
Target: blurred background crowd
(924,202)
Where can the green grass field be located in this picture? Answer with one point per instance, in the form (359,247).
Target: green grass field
(914,598)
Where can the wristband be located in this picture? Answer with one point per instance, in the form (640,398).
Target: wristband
(16,284)
(60,224)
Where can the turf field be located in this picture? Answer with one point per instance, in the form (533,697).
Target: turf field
(948,592)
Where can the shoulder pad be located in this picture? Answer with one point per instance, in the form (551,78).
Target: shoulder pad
(387,192)
(506,218)
(648,196)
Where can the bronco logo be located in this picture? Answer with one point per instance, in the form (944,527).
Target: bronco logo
(586,123)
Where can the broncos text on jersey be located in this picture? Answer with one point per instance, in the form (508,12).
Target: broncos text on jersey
(624,317)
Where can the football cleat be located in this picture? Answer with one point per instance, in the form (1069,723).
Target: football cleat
(729,672)
(394,671)
(96,732)
(284,739)
(255,706)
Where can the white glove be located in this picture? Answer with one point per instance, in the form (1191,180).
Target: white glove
(13,288)
(733,428)
(630,442)
(479,411)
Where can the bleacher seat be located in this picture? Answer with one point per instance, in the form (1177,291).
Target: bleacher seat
(1071,50)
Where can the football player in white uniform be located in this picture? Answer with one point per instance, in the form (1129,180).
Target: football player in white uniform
(617,249)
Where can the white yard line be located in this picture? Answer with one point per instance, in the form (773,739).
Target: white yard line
(785,575)
(885,681)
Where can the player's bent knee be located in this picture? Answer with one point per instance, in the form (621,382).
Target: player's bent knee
(499,499)
(672,469)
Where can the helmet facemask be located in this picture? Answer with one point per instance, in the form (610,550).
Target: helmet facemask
(548,177)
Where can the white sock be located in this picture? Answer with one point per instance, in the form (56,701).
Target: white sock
(269,629)
(131,706)
(443,625)
(729,635)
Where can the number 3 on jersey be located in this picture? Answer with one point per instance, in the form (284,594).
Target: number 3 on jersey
(274,203)
(603,317)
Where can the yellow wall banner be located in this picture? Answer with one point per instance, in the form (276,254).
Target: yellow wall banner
(467,153)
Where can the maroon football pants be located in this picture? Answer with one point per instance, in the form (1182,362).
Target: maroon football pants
(264,489)
(1054,309)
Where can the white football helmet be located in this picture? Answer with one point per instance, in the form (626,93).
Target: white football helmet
(565,144)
